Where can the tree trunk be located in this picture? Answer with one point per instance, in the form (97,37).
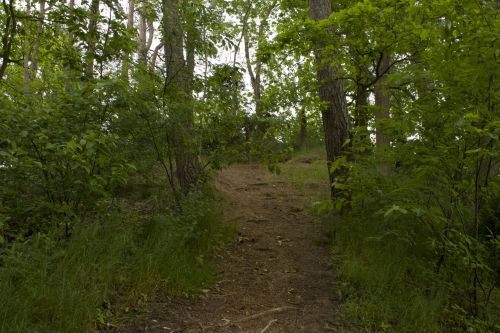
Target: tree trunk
(361,119)
(130,14)
(361,116)
(303,127)
(382,100)
(91,39)
(68,68)
(360,108)
(383,104)
(27,51)
(255,75)
(151,32)
(130,26)
(179,74)
(190,57)
(142,35)
(36,43)
(8,35)
(154,57)
(336,123)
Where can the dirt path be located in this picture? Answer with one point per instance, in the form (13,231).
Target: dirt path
(275,277)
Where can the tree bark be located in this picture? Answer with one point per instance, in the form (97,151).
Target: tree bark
(382,99)
(179,76)
(68,68)
(191,37)
(151,32)
(383,104)
(254,77)
(27,51)
(154,57)
(92,39)
(130,26)
(361,116)
(36,43)
(336,122)
(142,35)
(8,35)
(303,127)
(130,14)
(360,108)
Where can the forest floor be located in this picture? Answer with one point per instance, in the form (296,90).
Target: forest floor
(276,276)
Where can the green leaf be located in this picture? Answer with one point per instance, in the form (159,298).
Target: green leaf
(424,34)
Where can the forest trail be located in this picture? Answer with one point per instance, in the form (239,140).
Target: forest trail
(275,277)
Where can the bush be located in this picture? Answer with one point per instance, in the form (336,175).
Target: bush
(412,258)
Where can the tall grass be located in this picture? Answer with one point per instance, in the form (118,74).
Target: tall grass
(106,267)
(385,283)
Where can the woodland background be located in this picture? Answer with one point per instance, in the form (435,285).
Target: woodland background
(114,116)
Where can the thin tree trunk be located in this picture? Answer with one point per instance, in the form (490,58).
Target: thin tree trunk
(336,122)
(383,104)
(361,116)
(68,69)
(146,33)
(27,51)
(130,26)
(303,127)
(36,43)
(92,39)
(130,14)
(254,77)
(361,104)
(151,32)
(363,77)
(154,57)
(382,100)
(190,57)
(142,35)
(8,35)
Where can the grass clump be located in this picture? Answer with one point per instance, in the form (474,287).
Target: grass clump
(108,267)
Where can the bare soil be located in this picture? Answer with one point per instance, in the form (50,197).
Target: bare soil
(275,277)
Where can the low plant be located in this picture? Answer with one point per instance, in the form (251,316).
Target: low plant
(108,269)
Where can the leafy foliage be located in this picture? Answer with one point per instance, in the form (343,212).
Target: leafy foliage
(110,122)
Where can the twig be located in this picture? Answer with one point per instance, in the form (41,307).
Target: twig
(252,317)
(265,313)
(268,325)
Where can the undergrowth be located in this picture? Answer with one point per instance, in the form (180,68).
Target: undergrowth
(109,268)
(389,279)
